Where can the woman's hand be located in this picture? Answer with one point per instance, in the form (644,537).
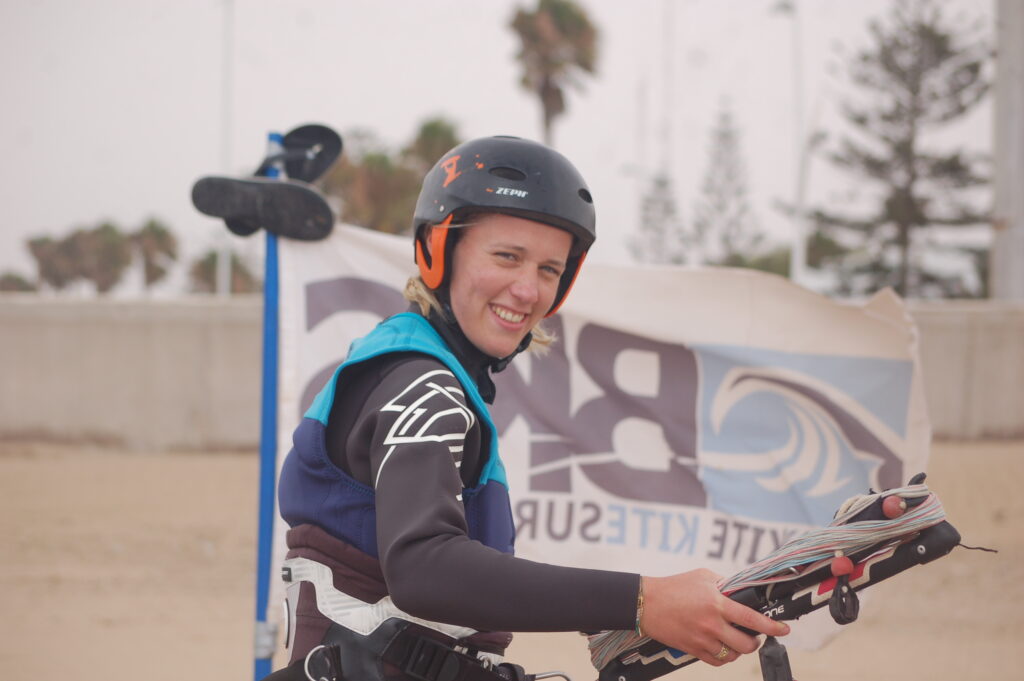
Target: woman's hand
(688,612)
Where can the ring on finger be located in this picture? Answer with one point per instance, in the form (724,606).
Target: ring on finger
(723,653)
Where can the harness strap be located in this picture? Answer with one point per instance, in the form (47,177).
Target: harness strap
(422,649)
(426,659)
(350,612)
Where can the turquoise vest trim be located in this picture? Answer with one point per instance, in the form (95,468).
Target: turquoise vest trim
(410,332)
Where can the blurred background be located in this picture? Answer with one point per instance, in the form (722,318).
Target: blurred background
(849,146)
(857,135)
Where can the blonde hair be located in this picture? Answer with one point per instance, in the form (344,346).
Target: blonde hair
(417,292)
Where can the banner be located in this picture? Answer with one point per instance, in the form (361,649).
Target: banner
(685,418)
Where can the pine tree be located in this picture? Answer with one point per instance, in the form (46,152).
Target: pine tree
(725,231)
(921,72)
(661,239)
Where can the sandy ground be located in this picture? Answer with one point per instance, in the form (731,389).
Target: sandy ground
(127,566)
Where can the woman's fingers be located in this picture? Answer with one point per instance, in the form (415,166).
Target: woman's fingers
(724,654)
(687,612)
(742,616)
(736,640)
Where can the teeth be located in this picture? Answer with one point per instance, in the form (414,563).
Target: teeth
(508,315)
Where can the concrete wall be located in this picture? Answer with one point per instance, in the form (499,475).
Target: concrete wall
(142,375)
(972,354)
(186,374)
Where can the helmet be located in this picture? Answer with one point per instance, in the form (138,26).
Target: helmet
(502,175)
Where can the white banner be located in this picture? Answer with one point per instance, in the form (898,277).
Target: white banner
(685,418)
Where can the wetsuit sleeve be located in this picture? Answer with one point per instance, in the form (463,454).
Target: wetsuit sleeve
(422,433)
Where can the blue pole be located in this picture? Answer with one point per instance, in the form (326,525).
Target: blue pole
(265,635)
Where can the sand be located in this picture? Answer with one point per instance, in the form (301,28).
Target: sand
(140,567)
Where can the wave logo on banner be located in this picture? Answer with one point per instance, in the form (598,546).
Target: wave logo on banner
(789,437)
(752,433)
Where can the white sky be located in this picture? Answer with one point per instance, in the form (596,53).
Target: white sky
(113,108)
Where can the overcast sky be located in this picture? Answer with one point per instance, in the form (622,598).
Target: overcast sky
(113,108)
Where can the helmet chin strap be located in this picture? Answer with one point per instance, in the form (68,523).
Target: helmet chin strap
(448,316)
(500,364)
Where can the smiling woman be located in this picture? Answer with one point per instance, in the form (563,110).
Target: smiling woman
(400,558)
(506,276)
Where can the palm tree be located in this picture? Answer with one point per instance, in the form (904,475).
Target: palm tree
(435,137)
(558,43)
(203,275)
(378,188)
(105,253)
(13,281)
(98,255)
(158,248)
(55,265)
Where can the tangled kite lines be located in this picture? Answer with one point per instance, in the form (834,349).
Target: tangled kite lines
(918,509)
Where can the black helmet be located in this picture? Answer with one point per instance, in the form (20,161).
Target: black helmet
(507,175)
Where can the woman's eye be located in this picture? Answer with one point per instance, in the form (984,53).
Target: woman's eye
(554,271)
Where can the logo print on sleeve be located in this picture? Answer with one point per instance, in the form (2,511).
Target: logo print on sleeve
(429,412)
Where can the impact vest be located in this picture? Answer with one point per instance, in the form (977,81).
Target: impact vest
(336,594)
(312,490)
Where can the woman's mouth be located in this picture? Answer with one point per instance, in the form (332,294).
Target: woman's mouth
(508,315)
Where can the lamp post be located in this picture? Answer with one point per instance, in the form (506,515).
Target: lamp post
(798,245)
(223,269)
(1007,254)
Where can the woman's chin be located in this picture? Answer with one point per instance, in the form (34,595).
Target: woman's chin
(499,347)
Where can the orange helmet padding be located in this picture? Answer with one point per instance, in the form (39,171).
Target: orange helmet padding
(565,293)
(433,272)
(434,267)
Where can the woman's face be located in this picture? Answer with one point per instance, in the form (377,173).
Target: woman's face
(504,280)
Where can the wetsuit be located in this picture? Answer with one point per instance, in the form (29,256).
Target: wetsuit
(400,449)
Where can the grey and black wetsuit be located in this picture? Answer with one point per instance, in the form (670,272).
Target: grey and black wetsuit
(395,483)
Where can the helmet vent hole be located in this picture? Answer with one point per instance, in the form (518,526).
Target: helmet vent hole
(508,173)
(585,195)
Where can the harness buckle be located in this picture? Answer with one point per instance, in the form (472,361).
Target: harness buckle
(429,660)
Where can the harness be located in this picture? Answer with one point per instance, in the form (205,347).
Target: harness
(367,635)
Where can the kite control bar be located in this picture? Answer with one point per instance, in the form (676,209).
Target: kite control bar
(794,599)
(784,589)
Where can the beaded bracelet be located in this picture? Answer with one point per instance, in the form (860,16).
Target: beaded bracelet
(639,606)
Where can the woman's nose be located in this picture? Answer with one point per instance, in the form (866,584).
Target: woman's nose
(525,287)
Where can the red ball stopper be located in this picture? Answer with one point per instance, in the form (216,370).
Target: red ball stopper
(841,565)
(893,507)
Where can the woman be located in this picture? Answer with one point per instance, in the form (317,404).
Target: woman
(401,538)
